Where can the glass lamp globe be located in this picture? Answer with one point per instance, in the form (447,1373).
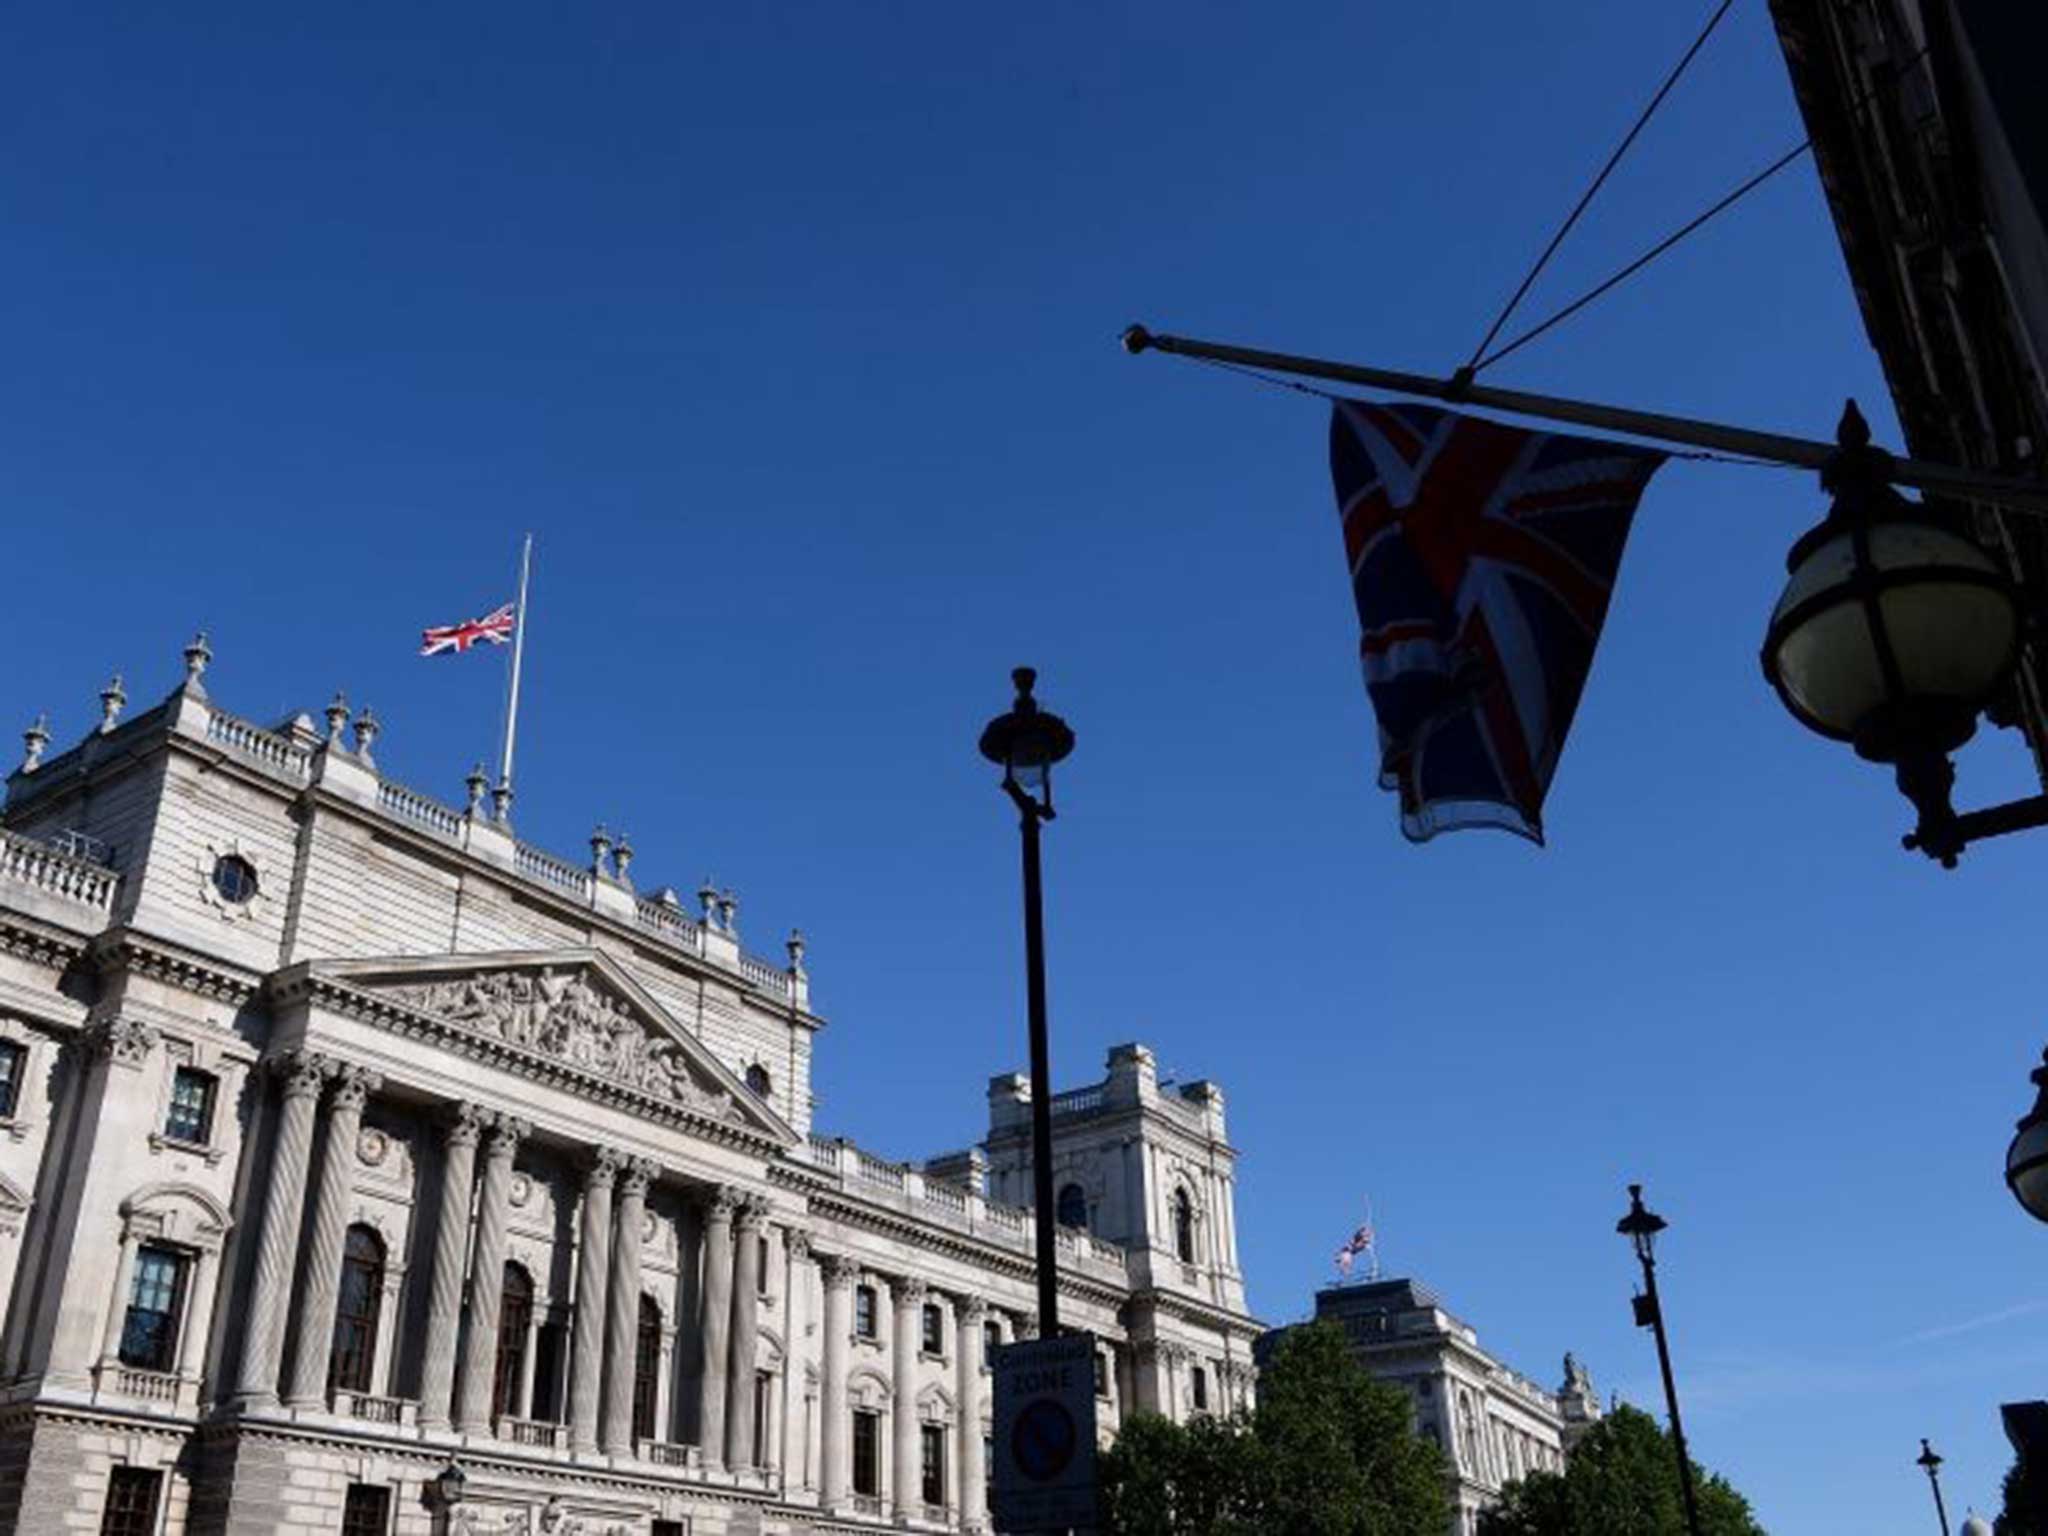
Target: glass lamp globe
(2026,1160)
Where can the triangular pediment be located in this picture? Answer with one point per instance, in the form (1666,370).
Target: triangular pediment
(578,1011)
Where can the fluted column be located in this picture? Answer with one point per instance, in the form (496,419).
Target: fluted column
(839,1274)
(487,1277)
(464,1124)
(909,1295)
(969,1313)
(305,1072)
(314,1324)
(622,1335)
(740,1450)
(716,1325)
(593,1267)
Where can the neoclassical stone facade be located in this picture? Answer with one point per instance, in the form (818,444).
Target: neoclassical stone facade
(347,1142)
(1493,1424)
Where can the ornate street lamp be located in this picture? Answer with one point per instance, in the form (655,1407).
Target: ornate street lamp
(2026,1160)
(1930,1463)
(1640,1226)
(1894,632)
(448,1486)
(1027,742)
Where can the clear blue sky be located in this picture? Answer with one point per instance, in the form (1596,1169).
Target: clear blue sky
(791,334)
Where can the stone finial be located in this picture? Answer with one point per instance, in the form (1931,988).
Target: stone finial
(337,718)
(729,911)
(477,782)
(622,857)
(707,902)
(35,742)
(795,945)
(366,732)
(113,699)
(197,654)
(600,847)
(501,800)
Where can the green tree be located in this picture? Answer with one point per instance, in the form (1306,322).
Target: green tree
(1621,1480)
(2026,1500)
(1328,1452)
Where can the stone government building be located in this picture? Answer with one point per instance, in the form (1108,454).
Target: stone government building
(345,1138)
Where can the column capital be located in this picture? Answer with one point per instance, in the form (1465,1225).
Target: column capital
(751,1214)
(462,1124)
(840,1270)
(639,1173)
(725,1200)
(354,1085)
(507,1131)
(973,1310)
(797,1243)
(125,1042)
(304,1073)
(910,1291)
(603,1167)
(1025,1325)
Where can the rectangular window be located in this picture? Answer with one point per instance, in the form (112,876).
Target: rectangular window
(549,1346)
(367,1510)
(131,1502)
(991,1341)
(867,1453)
(988,1459)
(191,1115)
(934,1330)
(13,1067)
(149,1335)
(668,1528)
(864,1311)
(932,1438)
(1200,1378)
(761,1265)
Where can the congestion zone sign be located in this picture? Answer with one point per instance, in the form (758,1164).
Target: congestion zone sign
(1045,1435)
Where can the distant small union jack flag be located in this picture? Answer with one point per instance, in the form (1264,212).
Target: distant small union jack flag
(495,627)
(1482,558)
(1348,1251)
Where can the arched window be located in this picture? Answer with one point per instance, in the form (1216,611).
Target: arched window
(759,1083)
(1184,1226)
(1073,1206)
(515,1314)
(646,1369)
(356,1310)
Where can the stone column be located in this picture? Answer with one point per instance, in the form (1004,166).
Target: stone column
(622,1336)
(305,1073)
(315,1322)
(969,1313)
(463,1125)
(839,1274)
(740,1450)
(717,1319)
(593,1266)
(487,1277)
(198,1313)
(788,1451)
(124,1287)
(909,1294)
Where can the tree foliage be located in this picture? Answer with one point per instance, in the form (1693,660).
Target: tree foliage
(1328,1452)
(2026,1500)
(1621,1480)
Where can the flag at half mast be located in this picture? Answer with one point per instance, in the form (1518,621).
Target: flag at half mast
(495,627)
(1482,558)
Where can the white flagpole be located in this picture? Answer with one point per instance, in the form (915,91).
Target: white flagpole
(504,791)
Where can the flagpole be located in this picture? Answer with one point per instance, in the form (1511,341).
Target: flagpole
(504,791)
(1804,453)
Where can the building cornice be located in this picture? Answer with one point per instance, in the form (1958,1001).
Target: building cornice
(40,943)
(133,952)
(301,983)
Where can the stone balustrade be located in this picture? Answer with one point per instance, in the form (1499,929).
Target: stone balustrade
(533,1432)
(410,805)
(372,1409)
(266,749)
(43,868)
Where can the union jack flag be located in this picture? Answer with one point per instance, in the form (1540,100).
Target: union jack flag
(1482,558)
(495,627)
(1348,1251)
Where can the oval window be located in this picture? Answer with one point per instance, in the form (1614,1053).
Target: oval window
(234,877)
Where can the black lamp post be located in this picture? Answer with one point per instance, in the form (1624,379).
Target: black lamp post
(1930,1463)
(1026,742)
(1895,631)
(2026,1160)
(447,1489)
(1641,1226)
